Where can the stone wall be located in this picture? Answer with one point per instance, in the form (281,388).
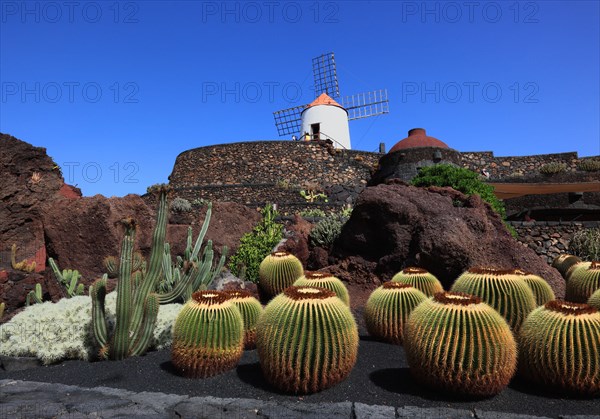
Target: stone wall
(549,238)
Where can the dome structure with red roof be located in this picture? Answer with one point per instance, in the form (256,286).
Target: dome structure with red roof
(417,137)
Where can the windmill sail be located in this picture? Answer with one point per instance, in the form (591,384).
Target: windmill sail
(325,75)
(288,121)
(364,105)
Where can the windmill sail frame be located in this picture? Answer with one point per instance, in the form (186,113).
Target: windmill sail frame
(325,75)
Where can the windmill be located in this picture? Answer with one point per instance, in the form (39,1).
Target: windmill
(326,118)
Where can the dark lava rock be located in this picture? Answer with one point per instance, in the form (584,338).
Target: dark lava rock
(442,230)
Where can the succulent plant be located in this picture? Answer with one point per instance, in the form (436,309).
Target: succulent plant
(594,300)
(553,168)
(559,346)
(583,282)
(208,335)
(20,266)
(34,296)
(68,278)
(504,290)
(387,310)
(576,267)
(2,307)
(419,278)
(563,262)
(251,309)
(111,264)
(278,271)
(457,343)
(307,340)
(541,290)
(324,280)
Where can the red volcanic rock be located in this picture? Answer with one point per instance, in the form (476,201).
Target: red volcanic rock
(394,226)
(297,241)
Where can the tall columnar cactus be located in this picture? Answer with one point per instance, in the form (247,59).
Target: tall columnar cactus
(541,290)
(307,340)
(563,262)
(504,290)
(35,296)
(559,346)
(111,264)
(419,278)
(387,310)
(20,266)
(583,282)
(2,307)
(594,300)
(457,343)
(324,280)
(278,271)
(251,309)
(68,278)
(208,335)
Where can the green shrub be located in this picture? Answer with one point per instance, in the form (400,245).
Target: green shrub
(586,244)
(256,245)
(553,168)
(313,212)
(589,165)
(181,205)
(327,230)
(462,180)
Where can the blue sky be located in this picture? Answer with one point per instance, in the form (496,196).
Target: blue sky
(116,90)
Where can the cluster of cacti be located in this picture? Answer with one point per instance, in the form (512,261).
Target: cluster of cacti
(324,280)
(564,262)
(68,278)
(575,268)
(23,265)
(278,271)
(583,282)
(307,340)
(251,309)
(553,168)
(504,290)
(419,278)
(208,336)
(388,308)
(457,343)
(327,230)
(585,243)
(541,290)
(589,165)
(559,346)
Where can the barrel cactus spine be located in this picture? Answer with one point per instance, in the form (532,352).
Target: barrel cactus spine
(456,343)
(576,267)
(208,335)
(541,290)
(419,278)
(502,289)
(583,282)
(324,280)
(387,310)
(250,309)
(278,271)
(307,340)
(563,262)
(559,347)
(594,300)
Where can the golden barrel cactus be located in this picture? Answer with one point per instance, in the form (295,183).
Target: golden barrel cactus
(541,290)
(324,280)
(419,278)
(582,283)
(278,271)
(251,309)
(594,300)
(564,262)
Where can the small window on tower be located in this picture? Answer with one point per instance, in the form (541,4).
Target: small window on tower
(316,129)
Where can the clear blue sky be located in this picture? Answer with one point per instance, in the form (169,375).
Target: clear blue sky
(122,88)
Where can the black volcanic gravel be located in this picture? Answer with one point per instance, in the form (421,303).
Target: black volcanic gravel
(380,377)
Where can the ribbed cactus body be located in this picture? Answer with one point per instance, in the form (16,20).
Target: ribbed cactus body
(278,271)
(208,335)
(387,310)
(541,290)
(504,290)
(576,267)
(250,309)
(456,343)
(564,262)
(324,280)
(559,346)
(583,282)
(594,300)
(421,279)
(307,340)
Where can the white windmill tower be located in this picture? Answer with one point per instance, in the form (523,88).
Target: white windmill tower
(324,118)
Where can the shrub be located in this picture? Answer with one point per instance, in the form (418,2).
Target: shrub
(589,165)
(586,244)
(462,180)
(313,212)
(181,205)
(553,168)
(256,245)
(327,230)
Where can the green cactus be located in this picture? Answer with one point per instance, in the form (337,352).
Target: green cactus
(251,309)
(208,335)
(559,346)
(541,290)
(387,310)
(278,271)
(2,307)
(419,278)
(23,265)
(307,340)
(34,296)
(68,278)
(594,300)
(456,343)
(583,282)
(324,280)
(110,266)
(576,267)
(504,290)
(563,262)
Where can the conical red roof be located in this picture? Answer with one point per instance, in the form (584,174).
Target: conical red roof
(323,99)
(417,138)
